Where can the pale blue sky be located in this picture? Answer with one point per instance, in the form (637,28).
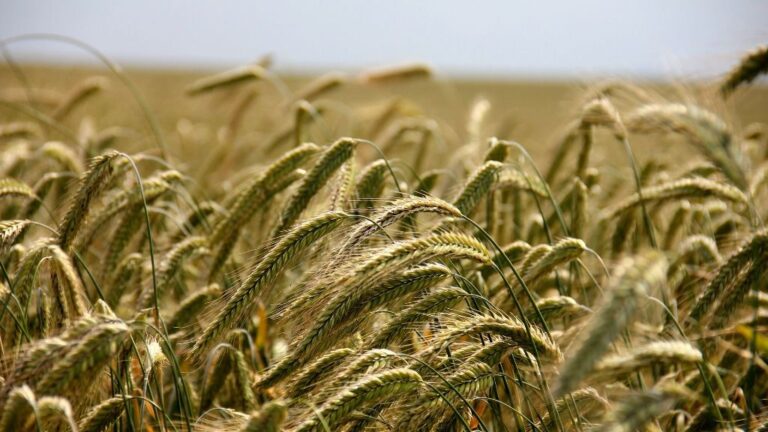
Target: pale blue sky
(648,38)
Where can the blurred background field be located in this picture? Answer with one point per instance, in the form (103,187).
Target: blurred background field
(533,62)
(534,112)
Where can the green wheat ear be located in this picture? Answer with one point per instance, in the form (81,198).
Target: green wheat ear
(265,271)
(255,192)
(374,388)
(333,158)
(92,183)
(477,186)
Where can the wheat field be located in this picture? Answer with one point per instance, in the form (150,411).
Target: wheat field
(381,251)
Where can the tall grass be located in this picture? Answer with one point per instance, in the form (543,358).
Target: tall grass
(293,279)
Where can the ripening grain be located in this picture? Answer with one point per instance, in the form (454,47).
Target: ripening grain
(321,257)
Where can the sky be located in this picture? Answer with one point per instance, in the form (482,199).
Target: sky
(633,39)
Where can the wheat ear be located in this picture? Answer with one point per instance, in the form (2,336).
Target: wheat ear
(315,371)
(632,279)
(329,162)
(226,79)
(91,184)
(266,270)
(84,90)
(269,418)
(637,410)
(100,417)
(750,67)
(371,389)
(396,73)
(654,353)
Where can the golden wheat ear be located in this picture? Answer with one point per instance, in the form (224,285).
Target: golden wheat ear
(226,79)
(396,73)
